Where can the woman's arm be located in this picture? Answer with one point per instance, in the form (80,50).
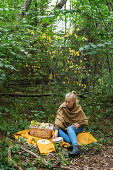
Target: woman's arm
(56,132)
(76,125)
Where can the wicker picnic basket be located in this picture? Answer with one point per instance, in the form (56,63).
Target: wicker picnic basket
(41,132)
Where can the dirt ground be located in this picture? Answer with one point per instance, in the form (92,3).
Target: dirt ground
(99,160)
(102,160)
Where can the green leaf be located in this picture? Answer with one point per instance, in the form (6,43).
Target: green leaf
(8,133)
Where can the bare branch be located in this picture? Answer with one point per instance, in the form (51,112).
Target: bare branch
(30,152)
(43,161)
(9,156)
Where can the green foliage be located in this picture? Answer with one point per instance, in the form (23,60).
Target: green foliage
(94,147)
(78,58)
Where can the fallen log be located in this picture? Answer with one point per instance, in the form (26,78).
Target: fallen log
(26,95)
(27,82)
(20,94)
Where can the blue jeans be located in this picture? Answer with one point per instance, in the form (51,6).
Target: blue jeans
(70,135)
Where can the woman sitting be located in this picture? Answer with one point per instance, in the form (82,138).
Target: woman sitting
(69,121)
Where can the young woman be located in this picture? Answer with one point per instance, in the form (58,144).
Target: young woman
(69,121)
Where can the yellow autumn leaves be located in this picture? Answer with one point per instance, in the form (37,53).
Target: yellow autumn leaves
(56,37)
(73,52)
(50,40)
(70,82)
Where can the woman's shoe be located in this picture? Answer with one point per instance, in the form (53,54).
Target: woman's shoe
(75,151)
(70,147)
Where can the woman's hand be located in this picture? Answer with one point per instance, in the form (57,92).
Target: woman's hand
(55,134)
(76,125)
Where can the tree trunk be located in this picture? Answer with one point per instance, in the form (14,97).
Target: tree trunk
(61,4)
(58,6)
(24,7)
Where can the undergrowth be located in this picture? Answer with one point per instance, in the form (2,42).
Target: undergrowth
(17,116)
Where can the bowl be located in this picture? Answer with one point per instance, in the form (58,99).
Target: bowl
(43,141)
(57,140)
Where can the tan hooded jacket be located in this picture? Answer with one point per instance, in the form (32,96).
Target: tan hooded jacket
(66,117)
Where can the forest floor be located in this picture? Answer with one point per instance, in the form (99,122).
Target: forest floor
(100,158)
(97,156)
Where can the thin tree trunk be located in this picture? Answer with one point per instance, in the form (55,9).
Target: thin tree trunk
(58,6)
(61,4)
(36,12)
(109,67)
(24,7)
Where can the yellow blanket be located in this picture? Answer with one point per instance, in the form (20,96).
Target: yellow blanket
(44,149)
(82,138)
(85,138)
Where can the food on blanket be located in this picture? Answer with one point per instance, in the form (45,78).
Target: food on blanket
(42,125)
(43,141)
(37,123)
(32,123)
(39,129)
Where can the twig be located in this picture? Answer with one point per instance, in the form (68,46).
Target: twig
(61,167)
(33,154)
(9,156)
(44,161)
(57,165)
(30,152)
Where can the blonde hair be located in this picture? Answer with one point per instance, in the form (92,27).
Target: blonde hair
(73,96)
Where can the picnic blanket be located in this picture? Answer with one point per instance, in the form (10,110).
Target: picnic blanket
(82,138)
